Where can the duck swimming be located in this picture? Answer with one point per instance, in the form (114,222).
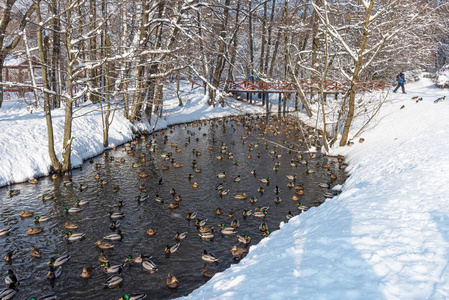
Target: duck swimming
(59,261)
(26,214)
(149,265)
(87,272)
(236,251)
(72,210)
(103,245)
(35,230)
(245,239)
(117,236)
(41,218)
(13,192)
(114,280)
(240,197)
(71,226)
(108,269)
(12,279)
(71,237)
(171,249)
(208,257)
(172,281)
(35,252)
(116,215)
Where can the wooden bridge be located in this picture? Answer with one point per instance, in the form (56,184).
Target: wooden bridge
(330,86)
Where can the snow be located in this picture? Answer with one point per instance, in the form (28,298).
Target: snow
(386,236)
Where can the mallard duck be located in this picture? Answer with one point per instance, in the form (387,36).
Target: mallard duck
(133,297)
(222,193)
(26,214)
(102,182)
(265,180)
(253,200)
(291,177)
(7,293)
(33,181)
(10,255)
(227,230)
(221,175)
(41,218)
(173,205)
(151,231)
(261,190)
(108,269)
(72,210)
(231,213)
(54,273)
(103,245)
(200,222)
(11,279)
(116,215)
(218,211)
(172,281)
(208,257)
(241,196)
(177,198)
(134,165)
(149,265)
(117,236)
(117,163)
(35,230)
(296,198)
(208,273)
(137,260)
(235,223)
(59,261)
(114,280)
(116,189)
(236,251)
(263,227)
(71,237)
(207,235)
(310,171)
(195,185)
(35,252)
(277,200)
(333,177)
(71,226)
(4,231)
(245,239)
(13,192)
(325,184)
(260,214)
(171,249)
(191,216)
(289,215)
(87,272)
(247,213)
(254,172)
(180,236)
(103,258)
(82,187)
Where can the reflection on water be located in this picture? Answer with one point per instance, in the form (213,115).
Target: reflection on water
(277,143)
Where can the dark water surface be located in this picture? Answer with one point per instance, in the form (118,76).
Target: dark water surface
(186,264)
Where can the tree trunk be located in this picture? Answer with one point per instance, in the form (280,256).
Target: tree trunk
(262,46)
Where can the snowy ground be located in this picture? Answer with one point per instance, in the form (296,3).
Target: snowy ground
(385,236)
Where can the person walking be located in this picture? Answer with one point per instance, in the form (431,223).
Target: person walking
(400,78)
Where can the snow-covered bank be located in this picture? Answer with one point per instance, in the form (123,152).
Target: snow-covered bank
(385,236)
(24,142)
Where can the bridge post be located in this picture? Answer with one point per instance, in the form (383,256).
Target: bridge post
(266,103)
(279,104)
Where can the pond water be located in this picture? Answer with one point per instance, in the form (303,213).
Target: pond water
(277,141)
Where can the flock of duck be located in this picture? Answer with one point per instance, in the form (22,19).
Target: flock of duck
(255,139)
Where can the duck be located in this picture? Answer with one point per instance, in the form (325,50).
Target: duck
(151,231)
(158,199)
(221,175)
(265,180)
(261,190)
(4,231)
(195,185)
(277,200)
(71,237)
(240,197)
(87,272)
(172,281)
(10,255)
(173,205)
(149,265)
(12,279)
(54,273)
(116,189)
(142,187)
(13,192)
(180,236)
(35,230)
(114,225)
(41,218)
(114,280)
(200,222)
(143,174)
(26,214)
(117,236)
(35,252)
(103,258)
(103,245)
(191,216)
(115,215)
(222,193)
(8,293)
(219,187)
(133,297)
(72,210)
(260,214)
(231,213)
(289,215)
(81,202)
(97,176)
(227,230)
(33,181)
(207,235)
(263,227)
(310,171)
(333,177)
(235,223)
(102,182)
(302,207)
(208,257)
(325,184)
(247,213)
(177,198)
(59,261)
(440,99)
(254,172)
(218,211)
(245,239)
(236,251)
(138,259)
(108,269)
(198,170)
(82,187)
(208,273)
(296,198)
(171,249)
(277,190)
(71,226)
(134,165)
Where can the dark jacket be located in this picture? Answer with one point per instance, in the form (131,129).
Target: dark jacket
(400,78)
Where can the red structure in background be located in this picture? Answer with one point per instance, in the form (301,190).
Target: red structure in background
(16,72)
